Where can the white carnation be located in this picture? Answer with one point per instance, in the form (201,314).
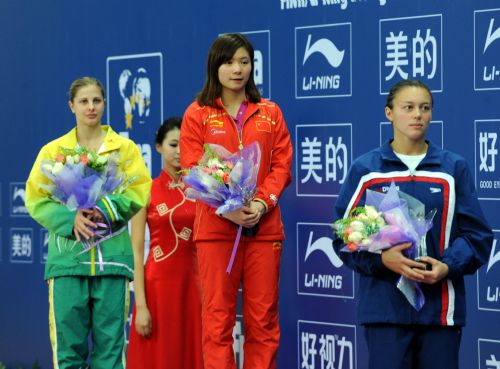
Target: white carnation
(357,226)
(57,168)
(371,212)
(355,237)
(47,167)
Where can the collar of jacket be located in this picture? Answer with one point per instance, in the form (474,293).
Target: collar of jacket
(111,140)
(431,157)
(251,109)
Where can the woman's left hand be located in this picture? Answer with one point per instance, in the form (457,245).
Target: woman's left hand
(96,215)
(439,270)
(259,209)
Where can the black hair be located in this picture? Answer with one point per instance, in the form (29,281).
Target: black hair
(221,51)
(167,125)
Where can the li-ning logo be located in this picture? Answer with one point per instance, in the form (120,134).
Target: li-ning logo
(326,48)
(435,189)
(323,244)
(492,36)
(494,256)
(19,193)
(18,201)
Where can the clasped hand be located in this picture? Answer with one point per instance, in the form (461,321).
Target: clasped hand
(247,216)
(85,223)
(394,259)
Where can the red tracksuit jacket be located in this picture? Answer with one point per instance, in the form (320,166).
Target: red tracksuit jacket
(263,123)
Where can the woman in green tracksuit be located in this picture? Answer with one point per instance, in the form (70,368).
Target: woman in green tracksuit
(88,290)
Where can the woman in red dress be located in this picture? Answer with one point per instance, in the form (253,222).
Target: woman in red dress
(166,320)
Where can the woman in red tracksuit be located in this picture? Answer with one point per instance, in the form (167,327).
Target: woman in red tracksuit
(230,112)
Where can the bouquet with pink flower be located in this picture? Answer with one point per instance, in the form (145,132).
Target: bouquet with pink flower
(358,230)
(79,178)
(387,220)
(225,181)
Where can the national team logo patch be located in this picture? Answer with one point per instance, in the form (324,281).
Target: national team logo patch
(263,126)
(214,123)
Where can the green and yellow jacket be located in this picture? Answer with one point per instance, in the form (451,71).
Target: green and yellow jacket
(66,256)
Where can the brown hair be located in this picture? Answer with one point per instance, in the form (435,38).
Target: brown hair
(402,84)
(82,82)
(221,51)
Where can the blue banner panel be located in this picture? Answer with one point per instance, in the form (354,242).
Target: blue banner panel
(329,64)
(326,345)
(486,49)
(323,62)
(411,48)
(320,271)
(323,155)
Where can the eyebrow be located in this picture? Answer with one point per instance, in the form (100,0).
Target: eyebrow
(413,102)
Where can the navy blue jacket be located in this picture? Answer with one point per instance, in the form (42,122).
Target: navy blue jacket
(460,236)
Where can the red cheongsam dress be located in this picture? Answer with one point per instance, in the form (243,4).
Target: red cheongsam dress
(171,284)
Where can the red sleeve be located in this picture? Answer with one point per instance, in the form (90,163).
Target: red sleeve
(191,141)
(280,172)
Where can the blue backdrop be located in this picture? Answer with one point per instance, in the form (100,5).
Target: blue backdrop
(327,63)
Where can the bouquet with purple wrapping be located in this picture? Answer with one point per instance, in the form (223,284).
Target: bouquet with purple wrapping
(388,220)
(80,177)
(225,181)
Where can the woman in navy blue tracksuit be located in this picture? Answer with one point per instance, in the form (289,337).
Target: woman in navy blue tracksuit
(398,336)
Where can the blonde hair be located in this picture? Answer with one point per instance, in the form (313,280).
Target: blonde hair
(82,82)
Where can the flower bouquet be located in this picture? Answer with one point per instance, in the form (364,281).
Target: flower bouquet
(79,178)
(225,181)
(384,221)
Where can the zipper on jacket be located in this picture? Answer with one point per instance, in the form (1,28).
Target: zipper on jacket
(238,133)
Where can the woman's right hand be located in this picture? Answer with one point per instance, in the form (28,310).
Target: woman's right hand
(82,227)
(143,324)
(394,259)
(245,216)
